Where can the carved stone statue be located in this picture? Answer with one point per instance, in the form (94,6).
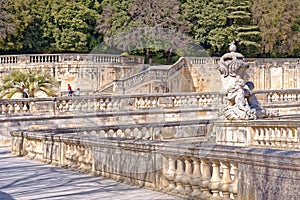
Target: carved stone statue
(254,103)
(237,106)
(241,102)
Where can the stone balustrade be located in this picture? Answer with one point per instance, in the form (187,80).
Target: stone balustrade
(285,136)
(137,131)
(108,103)
(182,168)
(203,60)
(60,58)
(260,133)
(96,103)
(288,95)
(204,175)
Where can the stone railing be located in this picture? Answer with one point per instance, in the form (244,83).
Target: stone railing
(95,103)
(138,131)
(109,103)
(182,168)
(289,95)
(283,134)
(202,60)
(60,58)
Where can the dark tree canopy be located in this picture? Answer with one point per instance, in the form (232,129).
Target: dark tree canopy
(260,27)
(6,20)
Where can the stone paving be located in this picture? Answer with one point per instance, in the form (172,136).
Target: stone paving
(24,179)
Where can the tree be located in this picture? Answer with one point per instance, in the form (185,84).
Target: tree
(239,18)
(34,81)
(53,26)
(6,24)
(143,26)
(278,23)
(71,26)
(208,20)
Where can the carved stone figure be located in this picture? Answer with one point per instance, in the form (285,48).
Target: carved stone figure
(237,106)
(242,103)
(254,103)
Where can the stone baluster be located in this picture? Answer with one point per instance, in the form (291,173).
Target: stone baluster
(90,106)
(81,154)
(11,109)
(233,188)
(261,137)
(97,105)
(205,179)
(283,137)
(178,101)
(6,109)
(137,102)
(1,110)
(215,179)
(139,134)
(131,134)
(84,105)
(109,104)
(184,100)
(59,106)
(110,133)
(267,136)
(67,106)
(170,174)
(155,102)
(119,133)
(256,136)
(115,104)
(18,108)
(102,105)
(187,177)
(146,133)
(127,133)
(79,105)
(195,178)
(272,136)
(290,137)
(226,180)
(134,133)
(178,177)
(277,137)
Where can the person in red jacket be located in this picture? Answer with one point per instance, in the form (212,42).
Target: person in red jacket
(70,91)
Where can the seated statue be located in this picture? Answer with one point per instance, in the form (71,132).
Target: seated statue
(237,106)
(254,103)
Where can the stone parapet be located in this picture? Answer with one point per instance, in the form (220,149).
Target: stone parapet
(186,169)
(276,134)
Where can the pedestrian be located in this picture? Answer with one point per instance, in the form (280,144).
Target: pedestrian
(77,92)
(70,91)
(25,95)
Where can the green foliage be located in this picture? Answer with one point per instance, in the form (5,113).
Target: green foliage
(33,81)
(278,22)
(260,27)
(53,26)
(6,25)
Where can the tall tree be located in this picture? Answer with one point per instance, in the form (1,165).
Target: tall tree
(53,26)
(150,26)
(278,23)
(208,20)
(6,24)
(239,17)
